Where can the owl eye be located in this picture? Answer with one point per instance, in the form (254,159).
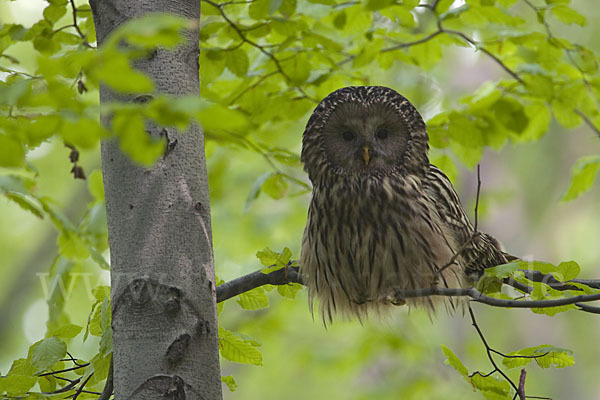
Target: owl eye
(381,133)
(348,136)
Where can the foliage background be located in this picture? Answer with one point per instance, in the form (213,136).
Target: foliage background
(396,358)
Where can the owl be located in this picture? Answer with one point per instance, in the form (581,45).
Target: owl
(381,217)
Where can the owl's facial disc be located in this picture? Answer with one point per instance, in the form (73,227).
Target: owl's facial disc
(365,138)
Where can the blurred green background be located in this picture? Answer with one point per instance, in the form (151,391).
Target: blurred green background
(396,358)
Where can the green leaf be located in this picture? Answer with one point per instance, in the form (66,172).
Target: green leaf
(26,203)
(68,331)
(491,387)
(539,85)
(12,153)
(255,299)
(212,64)
(230,382)
(99,259)
(543,267)
(105,315)
(135,141)
(100,292)
(556,357)
(368,54)
(427,54)
(16,385)
(21,366)
(11,94)
(106,345)
(275,186)
(544,355)
(489,285)
(151,31)
(552,311)
(72,246)
(298,68)
(584,173)
(94,325)
(255,190)
(511,114)
(83,133)
(236,349)
(114,69)
(454,361)
(47,352)
(569,270)
(100,366)
(374,5)
(289,291)
(96,185)
(539,121)
(565,114)
(567,15)
(54,11)
(288,8)
(217,117)
(237,62)
(502,271)
(47,383)
(259,9)
(274,260)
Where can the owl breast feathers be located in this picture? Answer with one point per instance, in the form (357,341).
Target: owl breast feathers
(381,218)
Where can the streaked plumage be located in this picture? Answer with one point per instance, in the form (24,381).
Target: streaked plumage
(381,217)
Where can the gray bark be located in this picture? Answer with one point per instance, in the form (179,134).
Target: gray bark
(163,293)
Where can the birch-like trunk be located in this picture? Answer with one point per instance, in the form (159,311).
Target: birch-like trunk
(163,293)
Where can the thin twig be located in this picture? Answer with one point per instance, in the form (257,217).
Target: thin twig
(588,122)
(484,50)
(488,350)
(76,26)
(409,44)
(65,370)
(80,390)
(477,198)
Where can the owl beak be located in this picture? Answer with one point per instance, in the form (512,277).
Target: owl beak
(366,155)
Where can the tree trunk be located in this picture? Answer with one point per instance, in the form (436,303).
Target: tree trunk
(163,293)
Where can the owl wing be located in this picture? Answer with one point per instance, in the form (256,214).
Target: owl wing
(477,251)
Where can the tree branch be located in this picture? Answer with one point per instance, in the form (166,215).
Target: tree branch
(292,275)
(255,279)
(548,279)
(479,297)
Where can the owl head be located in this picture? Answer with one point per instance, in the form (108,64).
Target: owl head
(363,131)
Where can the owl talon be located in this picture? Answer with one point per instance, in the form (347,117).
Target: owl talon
(362,299)
(398,302)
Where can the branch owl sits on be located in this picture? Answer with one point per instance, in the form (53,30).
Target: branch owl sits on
(381,218)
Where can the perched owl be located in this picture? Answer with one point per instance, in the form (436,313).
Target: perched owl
(381,218)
